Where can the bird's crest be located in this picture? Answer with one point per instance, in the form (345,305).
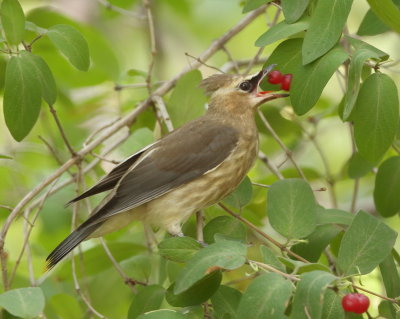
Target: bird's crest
(215,82)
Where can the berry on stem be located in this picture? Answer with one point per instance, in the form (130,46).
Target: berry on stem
(275,77)
(285,82)
(357,303)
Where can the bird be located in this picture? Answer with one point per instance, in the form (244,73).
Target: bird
(191,168)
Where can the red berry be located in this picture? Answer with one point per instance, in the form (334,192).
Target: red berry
(357,303)
(363,303)
(285,82)
(275,77)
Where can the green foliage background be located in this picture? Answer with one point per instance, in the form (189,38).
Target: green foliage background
(341,128)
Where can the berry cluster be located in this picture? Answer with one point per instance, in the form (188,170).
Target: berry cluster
(357,303)
(276,77)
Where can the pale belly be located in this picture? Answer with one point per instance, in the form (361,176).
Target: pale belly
(170,210)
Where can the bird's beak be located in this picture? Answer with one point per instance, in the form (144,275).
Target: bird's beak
(265,96)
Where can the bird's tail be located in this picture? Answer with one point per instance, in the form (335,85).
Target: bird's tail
(69,243)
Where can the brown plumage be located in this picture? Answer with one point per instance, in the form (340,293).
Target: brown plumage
(189,169)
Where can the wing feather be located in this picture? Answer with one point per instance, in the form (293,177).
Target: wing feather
(112,178)
(177,159)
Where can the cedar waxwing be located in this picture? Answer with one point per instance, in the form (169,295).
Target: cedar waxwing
(187,170)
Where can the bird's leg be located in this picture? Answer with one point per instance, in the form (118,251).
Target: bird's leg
(176,231)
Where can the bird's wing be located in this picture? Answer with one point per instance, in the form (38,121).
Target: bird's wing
(111,179)
(175,160)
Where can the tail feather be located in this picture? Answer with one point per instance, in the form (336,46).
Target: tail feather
(69,243)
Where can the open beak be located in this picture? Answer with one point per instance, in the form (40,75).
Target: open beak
(265,95)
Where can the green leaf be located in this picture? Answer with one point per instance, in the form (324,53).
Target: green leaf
(65,306)
(179,249)
(200,292)
(387,187)
(376,116)
(223,254)
(310,80)
(225,301)
(22,95)
(387,11)
(280,31)
(134,72)
(366,243)
(226,225)
(148,298)
(387,310)
(187,100)
(269,258)
(332,308)
(162,314)
(326,26)
(2,156)
(241,195)
(266,297)
(310,294)
(358,166)
(72,44)
(43,75)
(293,10)
(292,210)
(317,241)
(23,302)
(13,21)
(371,25)
(333,216)
(253,4)
(299,267)
(359,45)
(96,260)
(30,26)
(390,277)
(353,84)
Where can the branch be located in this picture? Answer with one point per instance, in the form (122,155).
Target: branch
(259,231)
(60,128)
(281,144)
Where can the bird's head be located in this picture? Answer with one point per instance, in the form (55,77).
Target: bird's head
(238,93)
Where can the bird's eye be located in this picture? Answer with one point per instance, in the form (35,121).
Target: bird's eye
(245,86)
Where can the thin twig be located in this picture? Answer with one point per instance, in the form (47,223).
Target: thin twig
(9,208)
(127,280)
(119,87)
(376,294)
(162,112)
(273,269)
(28,227)
(203,63)
(254,61)
(122,11)
(152,35)
(328,174)
(77,287)
(281,144)
(54,153)
(229,66)
(357,180)
(125,121)
(60,128)
(270,165)
(259,231)
(261,185)
(105,159)
(230,58)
